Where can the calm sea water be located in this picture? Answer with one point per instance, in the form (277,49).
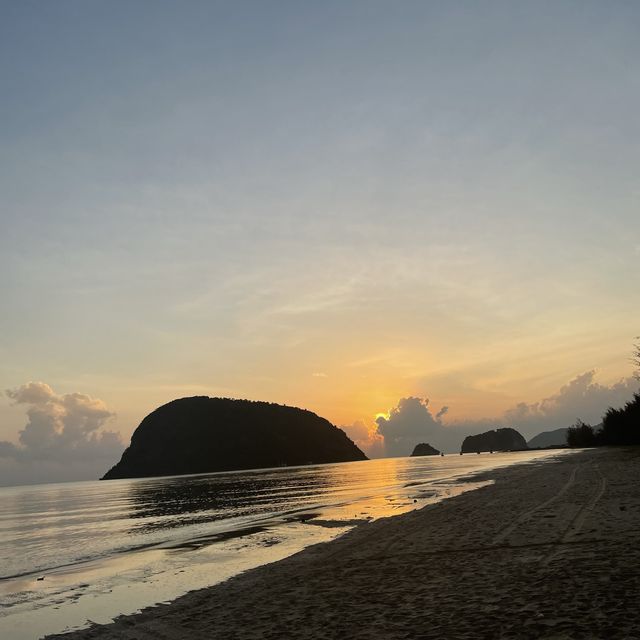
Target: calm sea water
(75,552)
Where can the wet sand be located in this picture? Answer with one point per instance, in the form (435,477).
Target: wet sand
(550,550)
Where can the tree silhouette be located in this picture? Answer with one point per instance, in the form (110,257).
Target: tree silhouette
(620,427)
(581,435)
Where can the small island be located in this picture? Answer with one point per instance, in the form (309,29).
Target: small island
(424,449)
(202,434)
(505,439)
(555,438)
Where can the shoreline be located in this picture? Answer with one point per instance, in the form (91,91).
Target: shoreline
(73,596)
(547,550)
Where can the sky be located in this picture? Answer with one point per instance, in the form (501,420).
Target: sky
(371,210)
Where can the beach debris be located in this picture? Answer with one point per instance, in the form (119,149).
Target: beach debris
(40,578)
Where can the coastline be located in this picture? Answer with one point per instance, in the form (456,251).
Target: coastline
(547,550)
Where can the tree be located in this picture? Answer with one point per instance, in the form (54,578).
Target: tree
(635,358)
(581,435)
(622,426)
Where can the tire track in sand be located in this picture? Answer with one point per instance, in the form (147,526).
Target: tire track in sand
(527,515)
(574,527)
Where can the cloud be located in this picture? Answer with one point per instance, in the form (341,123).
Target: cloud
(8,450)
(581,398)
(409,423)
(366,438)
(63,438)
(412,421)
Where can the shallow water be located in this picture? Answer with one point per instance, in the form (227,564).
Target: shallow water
(83,551)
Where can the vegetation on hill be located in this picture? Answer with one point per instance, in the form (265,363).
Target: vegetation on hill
(505,439)
(425,449)
(201,434)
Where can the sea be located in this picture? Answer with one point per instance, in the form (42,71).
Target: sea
(82,552)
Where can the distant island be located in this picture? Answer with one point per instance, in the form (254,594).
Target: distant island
(555,438)
(425,449)
(505,439)
(202,434)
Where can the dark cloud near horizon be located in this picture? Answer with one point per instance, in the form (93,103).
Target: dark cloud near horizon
(412,421)
(581,398)
(63,438)
(408,424)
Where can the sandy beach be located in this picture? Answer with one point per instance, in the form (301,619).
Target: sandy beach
(549,550)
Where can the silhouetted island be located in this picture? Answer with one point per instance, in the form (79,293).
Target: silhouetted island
(555,438)
(425,449)
(506,439)
(201,434)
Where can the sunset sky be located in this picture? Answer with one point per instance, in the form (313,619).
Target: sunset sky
(344,206)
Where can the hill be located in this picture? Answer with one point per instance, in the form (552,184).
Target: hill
(424,449)
(555,438)
(506,439)
(201,434)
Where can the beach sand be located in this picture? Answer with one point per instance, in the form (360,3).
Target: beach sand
(550,550)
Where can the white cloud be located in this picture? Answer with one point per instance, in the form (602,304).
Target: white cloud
(365,438)
(63,438)
(412,421)
(581,398)
(408,424)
